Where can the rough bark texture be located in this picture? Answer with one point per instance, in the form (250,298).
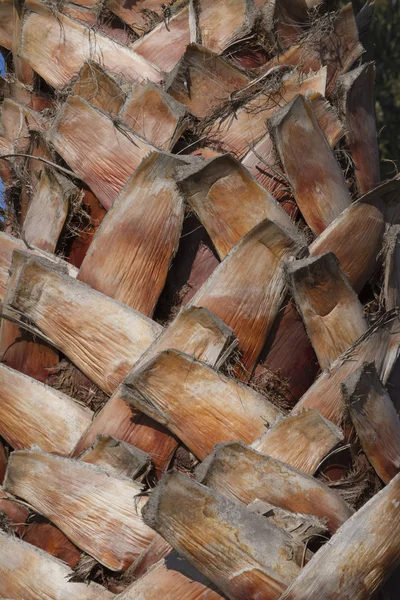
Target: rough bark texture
(81,500)
(243,474)
(30,573)
(194,331)
(375,420)
(301,440)
(332,313)
(201,406)
(359,557)
(244,554)
(63,309)
(130,255)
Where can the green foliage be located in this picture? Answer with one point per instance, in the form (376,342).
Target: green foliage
(382,44)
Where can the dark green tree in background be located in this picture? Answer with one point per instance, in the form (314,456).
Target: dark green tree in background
(382,44)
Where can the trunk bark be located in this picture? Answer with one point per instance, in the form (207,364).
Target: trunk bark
(242,474)
(117,457)
(52,540)
(75,496)
(155,116)
(105,347)
(358,108)
(202,81)
(194,331)
(380,345)
(391,288)
(48,210)
(130,256)
(99,88)
(198,404)
(375,419)
(32,413)
(99,151)
(245,555)
(331,311)
(170,579)
(219,25)
(229,202)
(30,573)
(175,37)
(315,176)
(308,438)
(247,289)
(77,45)
(359,557)
(239,132)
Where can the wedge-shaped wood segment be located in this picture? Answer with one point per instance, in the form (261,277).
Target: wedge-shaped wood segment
(247,289)
(375,420)
(327,117)
(228,201)
(96,510)
(290,350)
(332,313)
(99,88)
(102,337)
(33,169)
(195,331)
(301,440)
(116,456)
(48,210)
(239,472)
(358,107)
(237,132)
(130,256)
(359,557)
(18,347)
(218,25)
(27,573)
(8,244)
(240,551)
(358,254)
(262,159)
(175,37)
(16,123)
(316,178)
(380,345)
(23,72)
(170,579)
(57,59)
(98,151)
(202,80)
(200,405)
(154,115)
(6,24)
(391,289)
(33,413)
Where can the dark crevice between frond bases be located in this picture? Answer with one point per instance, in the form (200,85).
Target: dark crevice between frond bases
(89,570)
(179,288)
(67,378)
(348,471)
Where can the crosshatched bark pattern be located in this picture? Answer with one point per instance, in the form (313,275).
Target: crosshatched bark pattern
(199,290)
